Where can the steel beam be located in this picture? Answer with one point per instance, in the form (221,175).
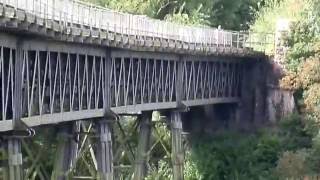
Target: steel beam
(177,155)
(143,146)
(62,47)
(143,55)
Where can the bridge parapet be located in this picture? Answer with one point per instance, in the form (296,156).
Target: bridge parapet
(76,21)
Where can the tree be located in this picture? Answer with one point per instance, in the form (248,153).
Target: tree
(230,14)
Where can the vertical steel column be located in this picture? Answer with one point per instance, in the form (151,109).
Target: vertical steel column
(177,149)
(66,151)
(13,144)
(17,96)
(259,80)
(74,144)
(104,148)
(143,146)
(176,127)
(245,106)
(179,83)
(15,171)
(104,151)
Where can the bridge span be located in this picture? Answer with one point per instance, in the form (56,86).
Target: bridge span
(62,62)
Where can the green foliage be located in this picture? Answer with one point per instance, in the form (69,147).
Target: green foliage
(232,14)
(305,160)
(314,157)
(294,133)
(229,14)
(236,156)
(267,18)
(304,35)
(272,11)
(195,17)
(191,171)
(292,164)
(231,155)
(161,171)
(280,153)
(303,43)
(125,139)
(303,57)
(44,147)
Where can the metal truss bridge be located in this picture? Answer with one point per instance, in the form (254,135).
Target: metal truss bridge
(65,63)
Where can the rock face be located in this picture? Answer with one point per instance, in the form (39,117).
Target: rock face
(271,103)
(279,104)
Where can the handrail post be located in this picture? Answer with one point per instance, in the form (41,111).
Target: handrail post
(224,39)
(231,45)
(249,39)
(238,39)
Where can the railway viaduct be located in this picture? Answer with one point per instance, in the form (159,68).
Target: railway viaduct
(78,67)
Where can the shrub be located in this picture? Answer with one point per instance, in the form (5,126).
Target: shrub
(292,165)
(236,156)
(191,171)
(241,156)
(162,171)
(294,134)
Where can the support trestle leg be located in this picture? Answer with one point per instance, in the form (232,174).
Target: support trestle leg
(143,146)
(104,150)
(13,153)
(66,151)
(177,149)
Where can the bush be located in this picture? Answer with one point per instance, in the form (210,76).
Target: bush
(292,165)
(232,155)
(191,171)
(162,171)
(236,156)
(294,133)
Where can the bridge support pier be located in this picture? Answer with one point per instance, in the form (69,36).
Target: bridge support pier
(177,149)
(143,146)
(14,170)
(104,150)
(66,151)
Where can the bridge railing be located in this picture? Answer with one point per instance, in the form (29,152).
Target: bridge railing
(73,13)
